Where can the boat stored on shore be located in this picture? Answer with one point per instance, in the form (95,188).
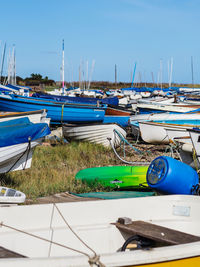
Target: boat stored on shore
(58,112)
(58,235)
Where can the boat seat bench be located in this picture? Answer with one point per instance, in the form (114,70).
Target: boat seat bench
(154,232)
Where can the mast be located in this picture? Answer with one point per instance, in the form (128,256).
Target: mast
(14,66)
(2,61)
(91,72)
(152,76)
(170,74)
(192,72)
(161,74)
(115,76)
(133,74)
(63,68)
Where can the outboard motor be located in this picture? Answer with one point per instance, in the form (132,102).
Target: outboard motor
(171,176)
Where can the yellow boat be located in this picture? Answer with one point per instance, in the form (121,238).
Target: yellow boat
(151,231)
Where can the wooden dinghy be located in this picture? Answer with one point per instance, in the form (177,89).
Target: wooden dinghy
(150,231)
(117,111)
(103,134)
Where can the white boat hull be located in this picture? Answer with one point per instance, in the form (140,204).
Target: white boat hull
(164,116)
(92,222)
(103,134)
(156,133)
(173,107)
(38,116)
(16,157)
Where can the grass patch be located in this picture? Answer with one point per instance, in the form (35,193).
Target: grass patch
(54,168)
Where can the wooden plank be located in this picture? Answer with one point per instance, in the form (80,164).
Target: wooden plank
(157,233)
(6,253)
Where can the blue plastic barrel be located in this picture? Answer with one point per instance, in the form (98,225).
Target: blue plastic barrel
(171,176)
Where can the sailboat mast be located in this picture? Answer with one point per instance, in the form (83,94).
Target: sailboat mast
(133,74)
(2,62)
(63,67)
(14,66)
(192,72)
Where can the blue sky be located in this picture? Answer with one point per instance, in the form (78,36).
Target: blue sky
(121,32)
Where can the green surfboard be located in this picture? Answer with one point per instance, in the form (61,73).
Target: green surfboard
(128,177)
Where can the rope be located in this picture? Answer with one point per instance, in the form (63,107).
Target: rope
(44,239)
(62,113)
(125,141)
(95,260)
(194,156)
(27,150)
(73,230)
(125,161)
(92,260)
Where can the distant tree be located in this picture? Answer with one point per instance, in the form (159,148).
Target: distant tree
(36,76)
(19,79)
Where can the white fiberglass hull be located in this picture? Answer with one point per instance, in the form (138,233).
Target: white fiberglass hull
(92,222)
(173,107)
(165,116)
(38,116)
(16,157)
(156,133)
(97,133)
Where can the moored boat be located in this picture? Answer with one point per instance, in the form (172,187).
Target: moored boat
(103,133)
(17,140)
(58,112)
(164,229)
(36,116)
(78,100)
(156,132)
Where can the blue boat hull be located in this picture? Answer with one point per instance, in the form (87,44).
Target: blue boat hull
(78,100)
(121,120)
(57,112)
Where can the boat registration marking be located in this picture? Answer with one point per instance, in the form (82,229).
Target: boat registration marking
(181,211)
(116,181)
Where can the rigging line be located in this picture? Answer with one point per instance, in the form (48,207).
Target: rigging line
(44,239)
(18,159)
(125,141)
(127,162)
(73,230)
(28,151)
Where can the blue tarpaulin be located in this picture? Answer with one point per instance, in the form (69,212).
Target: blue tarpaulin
(21,130)
(69,99)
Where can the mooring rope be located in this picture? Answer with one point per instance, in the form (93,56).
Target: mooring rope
(42,238)
(28,149)
(125,161)
(92,260)
(73,230)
